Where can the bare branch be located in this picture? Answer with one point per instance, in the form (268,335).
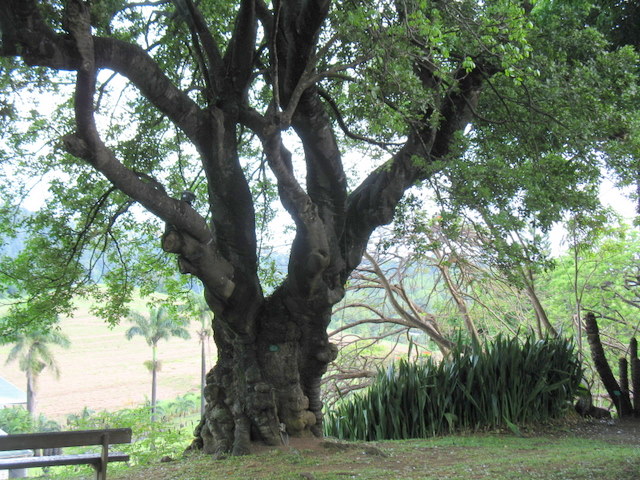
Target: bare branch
(343,126)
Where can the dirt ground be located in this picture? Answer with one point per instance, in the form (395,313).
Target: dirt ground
(540,453)
(104,371)
(624,432)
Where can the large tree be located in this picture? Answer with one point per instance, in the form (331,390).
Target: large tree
(212,93)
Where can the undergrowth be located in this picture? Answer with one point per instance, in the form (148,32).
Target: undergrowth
(503,383)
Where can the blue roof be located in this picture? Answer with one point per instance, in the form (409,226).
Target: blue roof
(10,394)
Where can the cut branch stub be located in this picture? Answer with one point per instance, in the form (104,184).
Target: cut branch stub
(202,261)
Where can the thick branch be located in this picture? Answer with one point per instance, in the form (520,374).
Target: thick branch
(373,203)
(40,45)
(199,28)
(196,247)
(238,60)
(310,253)
(297,31)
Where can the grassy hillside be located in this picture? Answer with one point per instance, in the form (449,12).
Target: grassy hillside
(104,371)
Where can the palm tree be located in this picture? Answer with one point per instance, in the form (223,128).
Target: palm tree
(205,316)
(157,326)
(34,355)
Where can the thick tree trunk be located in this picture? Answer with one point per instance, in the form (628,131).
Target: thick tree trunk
(271,353)
(265,386)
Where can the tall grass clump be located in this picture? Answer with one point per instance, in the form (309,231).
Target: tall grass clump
(505,382)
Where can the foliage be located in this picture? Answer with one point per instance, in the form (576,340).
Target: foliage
(508,383)
(18,420)
(158,325)
(33,352)
(597,274)
(553,95)
(151,439)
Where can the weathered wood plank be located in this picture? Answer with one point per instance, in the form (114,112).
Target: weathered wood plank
(55,460)
(64,439)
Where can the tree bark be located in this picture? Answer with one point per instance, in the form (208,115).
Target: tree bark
(634,362)
(266,383)
(635,378)
(623,374)
(623,406)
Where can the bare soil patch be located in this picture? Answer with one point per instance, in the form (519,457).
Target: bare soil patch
(616,431)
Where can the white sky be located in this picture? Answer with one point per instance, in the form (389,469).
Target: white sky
(610,196)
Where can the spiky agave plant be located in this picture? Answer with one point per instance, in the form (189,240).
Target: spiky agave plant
(503,383)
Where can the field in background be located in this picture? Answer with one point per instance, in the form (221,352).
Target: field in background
(102,370)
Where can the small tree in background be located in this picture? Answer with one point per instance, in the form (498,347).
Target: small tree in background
(205,316)
(158,325)
(34,355)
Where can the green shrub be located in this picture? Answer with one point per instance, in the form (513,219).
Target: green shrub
(18,420)
(506,383)
(151,440)
(169,436)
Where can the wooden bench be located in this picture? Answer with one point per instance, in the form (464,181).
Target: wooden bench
(79,438)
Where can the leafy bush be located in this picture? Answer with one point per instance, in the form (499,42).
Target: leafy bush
(169,436)
(506,383)
(18,420)
(151,440)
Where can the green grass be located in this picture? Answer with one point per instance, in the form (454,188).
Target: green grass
(461,457)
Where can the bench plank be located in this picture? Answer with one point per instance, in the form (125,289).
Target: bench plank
(94,459)
(80,438)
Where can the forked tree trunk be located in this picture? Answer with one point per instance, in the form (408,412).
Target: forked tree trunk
(266,384)
(271,353)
